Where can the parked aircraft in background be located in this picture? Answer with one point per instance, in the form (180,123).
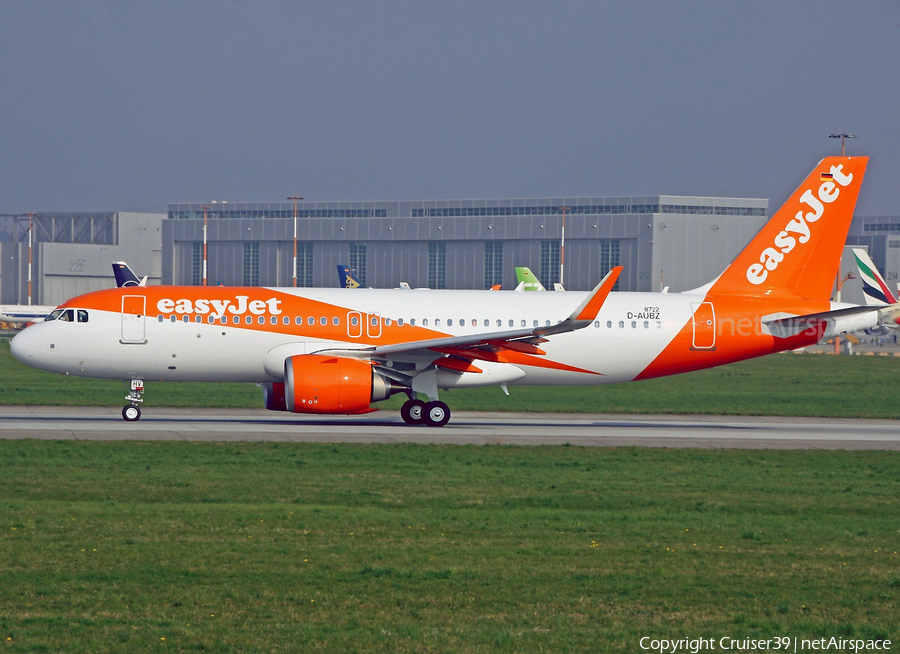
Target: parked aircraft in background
(527,280)
(876,289)
(125,276)
(324,351)
(18,313)
(347,276)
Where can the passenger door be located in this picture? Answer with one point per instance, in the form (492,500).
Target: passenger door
(133,319)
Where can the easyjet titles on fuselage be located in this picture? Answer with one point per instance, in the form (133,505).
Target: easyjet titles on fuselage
(800,225)
(241,305)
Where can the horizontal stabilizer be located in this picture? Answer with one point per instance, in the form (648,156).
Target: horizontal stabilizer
(830,323)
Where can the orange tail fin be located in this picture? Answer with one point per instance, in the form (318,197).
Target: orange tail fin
(799,250)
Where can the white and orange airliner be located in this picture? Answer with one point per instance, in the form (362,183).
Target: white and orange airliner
(339,351)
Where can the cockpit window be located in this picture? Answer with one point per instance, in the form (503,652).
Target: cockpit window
(66,315)
(82,315)
(54,315)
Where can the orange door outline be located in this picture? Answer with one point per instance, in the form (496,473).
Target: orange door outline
(704,318)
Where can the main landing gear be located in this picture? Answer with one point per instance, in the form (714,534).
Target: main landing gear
(432,414)
(132,412)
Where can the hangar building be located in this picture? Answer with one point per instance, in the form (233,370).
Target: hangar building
(71,253)
(676,241)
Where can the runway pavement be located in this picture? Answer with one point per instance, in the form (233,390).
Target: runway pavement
(604,430)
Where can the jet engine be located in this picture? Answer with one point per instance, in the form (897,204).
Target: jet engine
(315,383)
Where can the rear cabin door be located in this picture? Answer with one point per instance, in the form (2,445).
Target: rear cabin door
(133,325)
(704,326)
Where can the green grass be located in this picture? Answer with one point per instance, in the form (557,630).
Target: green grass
(783,385)
(147,546)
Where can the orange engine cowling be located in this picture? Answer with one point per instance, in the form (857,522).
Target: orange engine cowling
(314,383)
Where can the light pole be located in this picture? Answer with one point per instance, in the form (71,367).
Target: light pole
(205,208)
(562,247)
(842,136)
(295,198)
(30,241)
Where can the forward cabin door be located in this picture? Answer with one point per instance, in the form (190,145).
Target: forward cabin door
(133,325)
(704,326)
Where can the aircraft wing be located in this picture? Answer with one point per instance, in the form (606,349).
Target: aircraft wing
(482,345)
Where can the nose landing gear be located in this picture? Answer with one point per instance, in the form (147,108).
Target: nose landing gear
(132,412)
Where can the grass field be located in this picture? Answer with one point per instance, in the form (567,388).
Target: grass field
(784,384)
(152,546)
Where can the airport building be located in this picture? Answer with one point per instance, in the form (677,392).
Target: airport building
(880,236)
(72,253)
(676,241)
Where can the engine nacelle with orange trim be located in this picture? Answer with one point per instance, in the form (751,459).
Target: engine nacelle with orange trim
(314,383)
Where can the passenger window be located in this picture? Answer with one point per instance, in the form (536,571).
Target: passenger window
(172,318)
(621,324)
(633,324)
(82,315)
(646,325)
(354,321)
(512,323)
(412,321)
(159,318)
(285,321)
(499,323)
(323,321)
(437,322)
(236,320)
(474,322)
(609,324)
(274,320)
(249,320)
(298,320)
(198,319)
(400,322)
(487,323)
(424,322)
(261,320)
(310,321)
(224,320)
(534,323)
(523,322)
(186,318)
(211,319)
(388,322)
(462,322)
(335,321)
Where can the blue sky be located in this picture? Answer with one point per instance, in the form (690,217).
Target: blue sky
(117,105)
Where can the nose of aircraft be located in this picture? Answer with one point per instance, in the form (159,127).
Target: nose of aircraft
(22,345)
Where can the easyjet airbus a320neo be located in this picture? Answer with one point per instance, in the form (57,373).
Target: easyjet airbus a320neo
(339,351)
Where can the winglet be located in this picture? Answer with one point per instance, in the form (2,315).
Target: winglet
(587,311)
(591,306)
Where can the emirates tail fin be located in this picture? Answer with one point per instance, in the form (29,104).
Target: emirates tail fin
(798,251)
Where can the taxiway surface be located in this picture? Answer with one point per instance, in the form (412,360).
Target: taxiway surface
(604,430)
